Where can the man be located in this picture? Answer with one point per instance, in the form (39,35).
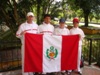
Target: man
(46,27)
(28,27)
(77,30)
(61,30)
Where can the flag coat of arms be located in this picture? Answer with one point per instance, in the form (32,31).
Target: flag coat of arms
(50,53)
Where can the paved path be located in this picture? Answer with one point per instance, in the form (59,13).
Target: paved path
(16,72)
(91,71)
(87,70)
(90,24)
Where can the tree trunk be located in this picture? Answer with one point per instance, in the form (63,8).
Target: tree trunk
(86,14)
(38,11)
(38,15)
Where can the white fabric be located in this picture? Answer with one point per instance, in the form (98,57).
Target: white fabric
(79,57)
(82,35)
(60,31)
(30,14)
(78,31)
(29,28)
(53,64)
(46,28)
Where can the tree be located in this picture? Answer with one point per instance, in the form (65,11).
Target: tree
(97,16)
(86,5)
(97,13)
(13,12)
(64,8)
(46,7)
(91,16)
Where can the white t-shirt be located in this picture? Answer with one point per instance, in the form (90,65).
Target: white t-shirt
(78,31)
(29,28)
(46,28)
(60,31)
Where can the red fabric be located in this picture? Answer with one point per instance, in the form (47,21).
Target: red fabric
(69,52)
(33,53)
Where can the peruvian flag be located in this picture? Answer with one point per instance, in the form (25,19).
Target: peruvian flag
(50,53)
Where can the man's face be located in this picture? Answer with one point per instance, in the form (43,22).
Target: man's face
(62,24)
(47,20)
(75,24)
(30,18)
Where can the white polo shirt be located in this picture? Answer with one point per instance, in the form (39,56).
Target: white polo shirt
(78,31)
(46,28)
(60,31)
(30,28)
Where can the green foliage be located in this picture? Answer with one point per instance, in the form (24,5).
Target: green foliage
(86,5)
(95,52)
(98,61)
(8,35)
(93,36)
(91,16)
(14,12)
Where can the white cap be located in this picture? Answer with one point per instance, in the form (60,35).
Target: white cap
(30,14)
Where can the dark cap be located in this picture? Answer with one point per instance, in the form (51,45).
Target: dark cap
(62,20)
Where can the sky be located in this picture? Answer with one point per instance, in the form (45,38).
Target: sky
(58,0)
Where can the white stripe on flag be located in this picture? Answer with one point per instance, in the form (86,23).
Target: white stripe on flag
(52,43)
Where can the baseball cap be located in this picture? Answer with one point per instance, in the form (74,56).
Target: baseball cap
(76,20)
(30,14)
(62,20)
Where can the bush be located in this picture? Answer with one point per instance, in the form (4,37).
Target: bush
(98,61)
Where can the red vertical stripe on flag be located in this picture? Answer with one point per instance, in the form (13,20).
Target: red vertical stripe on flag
(33,53)
(69,52)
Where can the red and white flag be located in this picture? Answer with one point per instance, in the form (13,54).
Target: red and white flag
(50,53)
